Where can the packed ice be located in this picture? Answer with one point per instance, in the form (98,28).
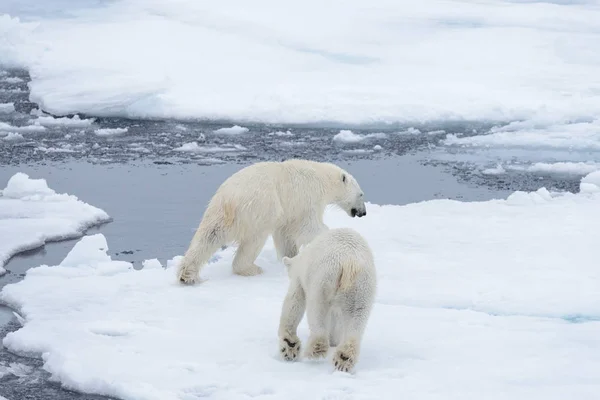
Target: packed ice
(388,61)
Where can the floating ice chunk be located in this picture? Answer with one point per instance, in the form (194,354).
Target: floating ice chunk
(27,128)
(7,108)
(569,168)
(532,134)
(193,147)
(75,122)
(590,183)
(13,136)
(281,133)
(12,79)
(347,136)
(234,130)
(498,170)
(110,131)
(31,214)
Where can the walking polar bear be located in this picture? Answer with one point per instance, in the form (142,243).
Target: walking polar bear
(334,279)
(284,199)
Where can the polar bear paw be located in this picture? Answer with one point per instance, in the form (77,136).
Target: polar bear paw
(248,271)
(317,347)
(289,347)
(188,277)
(344,358)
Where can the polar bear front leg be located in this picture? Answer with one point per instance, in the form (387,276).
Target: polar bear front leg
(247,251)
(292,312)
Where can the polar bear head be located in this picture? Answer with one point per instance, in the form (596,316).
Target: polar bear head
(350,196)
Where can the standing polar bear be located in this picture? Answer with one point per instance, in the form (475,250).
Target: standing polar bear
(284,199)
(334,279)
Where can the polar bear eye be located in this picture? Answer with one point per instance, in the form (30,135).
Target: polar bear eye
(343,177)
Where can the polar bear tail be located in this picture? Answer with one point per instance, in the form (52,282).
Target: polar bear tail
(349,271)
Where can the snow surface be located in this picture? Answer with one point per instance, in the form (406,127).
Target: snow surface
(303,61)
(32,214)
(347,136)
(110,131)
(234,130)
(494,300)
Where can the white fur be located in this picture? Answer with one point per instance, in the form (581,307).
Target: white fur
(284,199)
(334,279)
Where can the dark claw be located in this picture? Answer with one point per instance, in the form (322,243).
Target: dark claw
(283,349)
(289,343)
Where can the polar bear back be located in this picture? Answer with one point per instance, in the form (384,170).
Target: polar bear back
(334,257)
(292,190)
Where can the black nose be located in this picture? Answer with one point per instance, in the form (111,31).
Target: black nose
(353,212)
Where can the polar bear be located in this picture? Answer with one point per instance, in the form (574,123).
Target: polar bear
(283,199)
(334,279)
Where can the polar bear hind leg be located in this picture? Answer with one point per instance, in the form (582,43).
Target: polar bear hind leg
(292,312)
(284,243)
(354,318)
(317,314)
(247,251)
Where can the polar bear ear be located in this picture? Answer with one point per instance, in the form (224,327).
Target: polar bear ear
(287,261)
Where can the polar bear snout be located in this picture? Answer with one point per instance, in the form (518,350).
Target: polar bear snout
(358,212)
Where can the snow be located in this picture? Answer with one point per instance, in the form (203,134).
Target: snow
(13,136)
(347,136)
(74,122)
(7,108)
(32,214)
(496,300)
(388,61)
(234,130)
(26,128)
(193,147)
(110,131)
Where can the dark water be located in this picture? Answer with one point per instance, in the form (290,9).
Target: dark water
(156,194)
